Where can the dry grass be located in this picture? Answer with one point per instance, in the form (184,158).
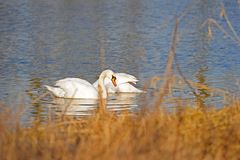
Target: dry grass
(188,133)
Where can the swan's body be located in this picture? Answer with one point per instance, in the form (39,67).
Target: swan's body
(123,84)
(79,88)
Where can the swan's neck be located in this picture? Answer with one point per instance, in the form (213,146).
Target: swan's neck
(101,87)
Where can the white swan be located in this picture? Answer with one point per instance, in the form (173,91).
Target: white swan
(79,88)
(123,84)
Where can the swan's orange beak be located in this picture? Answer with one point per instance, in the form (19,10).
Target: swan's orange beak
(114,81)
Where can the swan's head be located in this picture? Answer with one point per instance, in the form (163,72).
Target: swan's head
(111,75)
(113,79)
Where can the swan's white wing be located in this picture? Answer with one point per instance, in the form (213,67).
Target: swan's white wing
(128,88)
(77,88)
(125,78)
(127,75)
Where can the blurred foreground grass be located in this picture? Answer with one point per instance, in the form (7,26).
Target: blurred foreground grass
(187,133)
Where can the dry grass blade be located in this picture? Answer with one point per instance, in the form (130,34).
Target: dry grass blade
(40,97)
(210,22)
(224,15)
(102,103)
(210,35)
(165,89)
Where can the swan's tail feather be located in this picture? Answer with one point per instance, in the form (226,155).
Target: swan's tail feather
(58,92)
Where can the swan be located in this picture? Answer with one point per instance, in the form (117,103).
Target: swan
(123,82)
(79,88)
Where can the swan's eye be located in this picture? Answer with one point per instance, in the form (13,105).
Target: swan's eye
(114,81)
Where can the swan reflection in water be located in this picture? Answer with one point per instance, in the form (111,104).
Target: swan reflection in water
(85,107)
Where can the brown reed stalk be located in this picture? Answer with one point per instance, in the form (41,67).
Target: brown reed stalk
(166,87)
(210,22)
(102,103)
(224,15)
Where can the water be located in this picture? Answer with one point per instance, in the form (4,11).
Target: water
(43,41)
(86,107)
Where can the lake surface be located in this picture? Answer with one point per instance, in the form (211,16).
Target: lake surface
(42,41)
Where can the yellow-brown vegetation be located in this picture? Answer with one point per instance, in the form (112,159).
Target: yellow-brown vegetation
(187,133)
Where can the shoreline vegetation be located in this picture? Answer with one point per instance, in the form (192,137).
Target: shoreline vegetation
(194,132)
(186,133)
